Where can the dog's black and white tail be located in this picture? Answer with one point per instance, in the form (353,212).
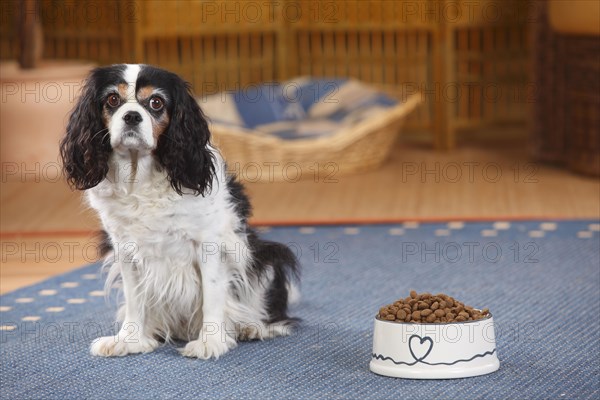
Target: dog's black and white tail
(284,284)
(283,288)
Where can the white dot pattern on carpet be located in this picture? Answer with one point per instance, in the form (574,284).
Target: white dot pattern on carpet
(47,292)
(307,230)
(351,231)
(7,327)
(31,318)
(594,227)
(536,234)
(76,301)
(489,233)
(97,293)
(69,285)
(5,308)
(501,225)
(396,231)
(548,226)
(456,225)
(442,232)
(410,225)
(585,234)
(55,309)
(89,276)
(24,300)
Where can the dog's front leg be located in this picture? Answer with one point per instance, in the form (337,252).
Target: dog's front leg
(215,337)
(132,337)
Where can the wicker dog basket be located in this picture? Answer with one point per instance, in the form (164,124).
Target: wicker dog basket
(259,157)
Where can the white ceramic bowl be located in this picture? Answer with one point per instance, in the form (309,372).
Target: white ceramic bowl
(434,351)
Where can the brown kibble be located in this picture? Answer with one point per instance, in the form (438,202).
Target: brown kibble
(426,308)
(439,313)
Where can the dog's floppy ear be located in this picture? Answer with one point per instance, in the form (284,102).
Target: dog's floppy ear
(182,148)
(85,149)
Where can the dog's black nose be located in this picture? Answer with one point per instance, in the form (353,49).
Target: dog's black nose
(132,118)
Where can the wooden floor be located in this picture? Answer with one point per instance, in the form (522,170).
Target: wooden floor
(46,230)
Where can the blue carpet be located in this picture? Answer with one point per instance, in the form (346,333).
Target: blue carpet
(540,279)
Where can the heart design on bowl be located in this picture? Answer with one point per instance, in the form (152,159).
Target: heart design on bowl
(421,346)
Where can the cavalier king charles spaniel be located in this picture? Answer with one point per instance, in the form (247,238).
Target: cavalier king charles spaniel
(175,221)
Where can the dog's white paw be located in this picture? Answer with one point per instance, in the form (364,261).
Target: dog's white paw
(117,346)
(209,347)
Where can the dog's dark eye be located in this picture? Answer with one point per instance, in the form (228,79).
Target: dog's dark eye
(113,100)
(156,103)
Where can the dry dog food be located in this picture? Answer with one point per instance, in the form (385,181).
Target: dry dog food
(427,308)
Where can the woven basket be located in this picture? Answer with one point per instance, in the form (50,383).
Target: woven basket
(258,157)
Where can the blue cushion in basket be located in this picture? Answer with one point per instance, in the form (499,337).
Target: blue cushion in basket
(296,109)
